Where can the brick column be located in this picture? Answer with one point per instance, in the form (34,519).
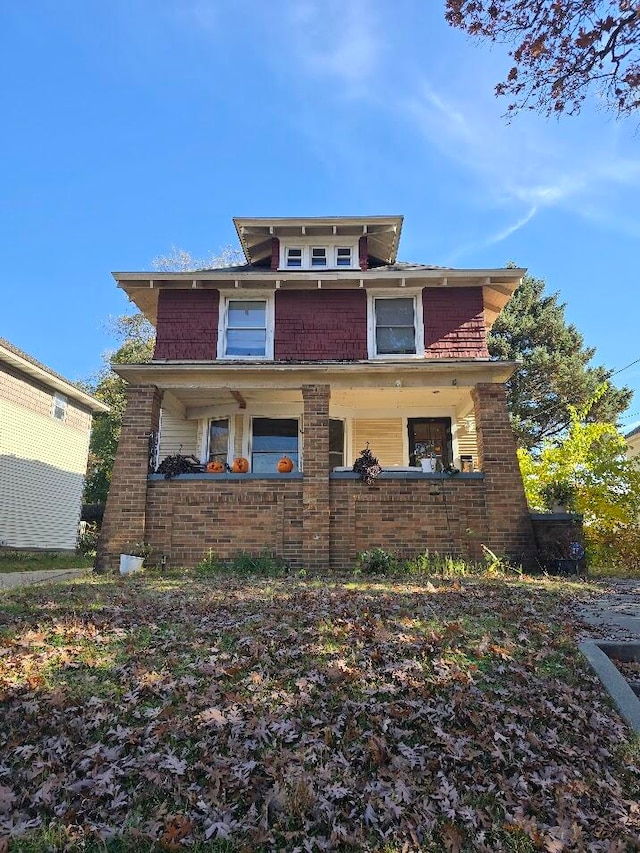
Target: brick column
(315,493)
(125,512)
(510,531)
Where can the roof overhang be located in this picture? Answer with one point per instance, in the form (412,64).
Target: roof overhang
(382,232)
(51,380)
(497,285)
(422,373)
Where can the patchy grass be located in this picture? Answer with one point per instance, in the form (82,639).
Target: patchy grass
(39,561)
(220,713)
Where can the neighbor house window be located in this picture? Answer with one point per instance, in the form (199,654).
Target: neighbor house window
(218,440)
(246,328)
(336,444)
(343,256)
(318,257)
(59,409)
(294,256)
(394,322)
(272,438)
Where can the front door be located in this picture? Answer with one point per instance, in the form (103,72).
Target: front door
(434,437)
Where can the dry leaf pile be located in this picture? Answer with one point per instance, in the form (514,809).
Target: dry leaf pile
(299,715)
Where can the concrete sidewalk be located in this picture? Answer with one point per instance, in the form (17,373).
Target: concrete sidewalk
(613,613)
(14,579)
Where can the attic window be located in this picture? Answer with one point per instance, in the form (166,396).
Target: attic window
(318,256)
(294,256)
(343,256)
(59,409)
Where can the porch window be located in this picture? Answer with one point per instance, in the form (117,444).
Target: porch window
(430,437)
(336,444)
(395,326)
(246,332)
(218,440)
(272,438)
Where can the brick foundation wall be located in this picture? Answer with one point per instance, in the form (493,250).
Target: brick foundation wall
(186,518)
(187,326)
(454,324)
(322,324)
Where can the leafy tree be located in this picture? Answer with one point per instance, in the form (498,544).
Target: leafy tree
(555,374)
(179,260)
(561,50)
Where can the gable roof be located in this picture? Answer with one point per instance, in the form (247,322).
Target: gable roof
(20,360)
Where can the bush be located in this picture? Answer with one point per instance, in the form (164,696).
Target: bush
(88,541)
(376,562)
(615,551)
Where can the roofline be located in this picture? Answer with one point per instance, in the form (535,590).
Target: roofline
(26,365)
(266,274)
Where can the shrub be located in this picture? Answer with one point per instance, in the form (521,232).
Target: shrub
(88,541)
(377,561)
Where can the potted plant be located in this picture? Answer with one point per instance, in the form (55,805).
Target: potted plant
(133,556)
(558,495)
(426,457)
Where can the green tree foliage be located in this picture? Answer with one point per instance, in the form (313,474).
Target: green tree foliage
(555,374)
(591,457)
(562,49)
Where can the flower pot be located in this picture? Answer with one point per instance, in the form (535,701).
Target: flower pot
(129,563)
(428,465)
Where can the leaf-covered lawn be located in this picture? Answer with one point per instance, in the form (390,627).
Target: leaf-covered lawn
(224,714)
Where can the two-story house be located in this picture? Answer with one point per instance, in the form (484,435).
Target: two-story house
(45,425)
(321,343)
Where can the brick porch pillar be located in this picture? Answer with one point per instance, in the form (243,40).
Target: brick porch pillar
(315,493)
(510,531)
(125,511)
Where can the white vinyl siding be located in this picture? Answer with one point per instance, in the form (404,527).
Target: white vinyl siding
(42,468)
(385,437)
(177,435)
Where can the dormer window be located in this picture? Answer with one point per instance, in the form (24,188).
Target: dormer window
(294,256)
(318,256)
(343,256)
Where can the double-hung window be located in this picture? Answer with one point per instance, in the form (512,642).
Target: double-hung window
(294,256)
(318,256)
(247,329)
(395,325)
(59,408)
(272,438)
(343,256)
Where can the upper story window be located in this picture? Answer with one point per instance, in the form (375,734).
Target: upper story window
(318,256)
(395,326)
(59,408)
(246,329)
(294,256)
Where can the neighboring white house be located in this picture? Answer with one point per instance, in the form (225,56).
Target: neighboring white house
(633,442)
(45,424)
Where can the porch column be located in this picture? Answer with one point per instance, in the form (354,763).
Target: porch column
(510,531)
(125,511)
(315,490)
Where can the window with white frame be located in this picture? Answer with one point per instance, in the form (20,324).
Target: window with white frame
(294,256)
(343,256)
(271,439)
(318,256)
(218,450)
(247,331)
(395,325)
(59,408)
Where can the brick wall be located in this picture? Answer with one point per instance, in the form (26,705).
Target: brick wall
(315,494)
(321,324)
(186,518)
(125,512)
(507,512)
(454,324)
(187,326)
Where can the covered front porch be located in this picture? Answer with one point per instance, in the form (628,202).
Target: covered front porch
(321,416)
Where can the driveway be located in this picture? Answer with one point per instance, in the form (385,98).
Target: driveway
(613,613)
(14,579)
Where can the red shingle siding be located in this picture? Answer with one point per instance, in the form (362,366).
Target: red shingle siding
(323,324)
(187,326)
(454,324)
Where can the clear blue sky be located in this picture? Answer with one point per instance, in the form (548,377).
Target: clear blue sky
(132,125)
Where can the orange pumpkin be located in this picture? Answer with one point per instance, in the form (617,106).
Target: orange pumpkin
(285,465)
(215,467)
(240,465)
